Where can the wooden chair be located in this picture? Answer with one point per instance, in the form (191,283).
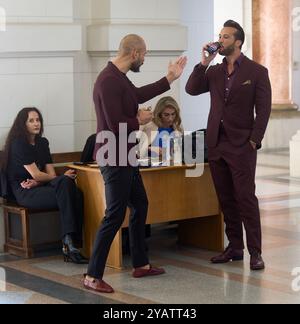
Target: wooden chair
(21,246)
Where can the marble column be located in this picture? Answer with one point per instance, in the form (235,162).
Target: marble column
(295,142)
(272,47)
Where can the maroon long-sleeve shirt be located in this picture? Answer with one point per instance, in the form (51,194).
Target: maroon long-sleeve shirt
(116,102)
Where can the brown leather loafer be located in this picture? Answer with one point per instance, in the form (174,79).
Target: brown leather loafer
(257,262)
(139,272)
(228,255)
(98,286)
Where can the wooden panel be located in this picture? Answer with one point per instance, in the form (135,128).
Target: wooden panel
(61,160)
(61,157)
(66,157)
(205,233)
(92,186)
(94,204)
(165,189)
(200,197)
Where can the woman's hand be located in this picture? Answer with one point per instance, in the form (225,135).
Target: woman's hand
(29,184)
(71,174)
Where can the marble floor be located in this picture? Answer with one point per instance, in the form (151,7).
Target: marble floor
(190,278)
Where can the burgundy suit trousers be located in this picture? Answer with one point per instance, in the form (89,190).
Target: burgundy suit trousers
(233,171)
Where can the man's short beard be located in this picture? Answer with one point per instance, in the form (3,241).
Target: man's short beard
(228,51)
(136,67)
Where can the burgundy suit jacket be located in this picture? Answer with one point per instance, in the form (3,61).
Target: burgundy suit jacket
(117,100)
(246,113)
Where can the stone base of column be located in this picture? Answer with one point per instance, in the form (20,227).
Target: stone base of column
(295,156)
(285,107)
(283,125)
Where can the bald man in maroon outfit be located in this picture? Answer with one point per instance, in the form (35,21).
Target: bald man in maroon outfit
(240,109)
(116,103)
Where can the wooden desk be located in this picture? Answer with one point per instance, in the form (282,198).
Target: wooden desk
(172,197)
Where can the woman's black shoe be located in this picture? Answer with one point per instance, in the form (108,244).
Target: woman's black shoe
(71,254)
(74,257)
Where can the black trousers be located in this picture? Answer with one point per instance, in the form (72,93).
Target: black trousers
(123,187)
(61,193)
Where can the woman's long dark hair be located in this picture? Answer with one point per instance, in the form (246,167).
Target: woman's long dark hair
(19,130)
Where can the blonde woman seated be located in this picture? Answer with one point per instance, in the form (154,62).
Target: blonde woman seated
(166,121)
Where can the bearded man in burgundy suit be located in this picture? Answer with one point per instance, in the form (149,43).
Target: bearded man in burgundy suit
(241,100)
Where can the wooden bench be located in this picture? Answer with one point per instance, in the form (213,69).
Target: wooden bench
(22,246)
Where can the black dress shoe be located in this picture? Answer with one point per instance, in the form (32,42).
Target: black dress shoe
(256,262)
(72,254)
(75,257)
(228,255)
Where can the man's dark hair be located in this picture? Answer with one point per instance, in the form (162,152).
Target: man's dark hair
(239,34)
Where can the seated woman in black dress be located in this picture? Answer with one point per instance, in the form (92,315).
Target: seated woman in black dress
(34,183)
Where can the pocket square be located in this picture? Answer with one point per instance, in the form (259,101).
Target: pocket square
(248,82)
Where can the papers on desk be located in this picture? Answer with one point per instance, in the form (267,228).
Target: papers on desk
(143,163)
(93,165)
(150,163)
(83,164)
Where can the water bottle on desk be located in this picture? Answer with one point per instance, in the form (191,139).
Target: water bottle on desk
(177,150)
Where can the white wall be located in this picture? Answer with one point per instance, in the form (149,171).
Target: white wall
(24,11)
(37,66)
(197,15)
(238,10)
(84,116)
(158,22)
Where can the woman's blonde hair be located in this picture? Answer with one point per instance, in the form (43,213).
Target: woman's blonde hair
(163,103)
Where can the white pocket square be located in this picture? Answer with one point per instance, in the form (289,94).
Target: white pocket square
(248,82)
